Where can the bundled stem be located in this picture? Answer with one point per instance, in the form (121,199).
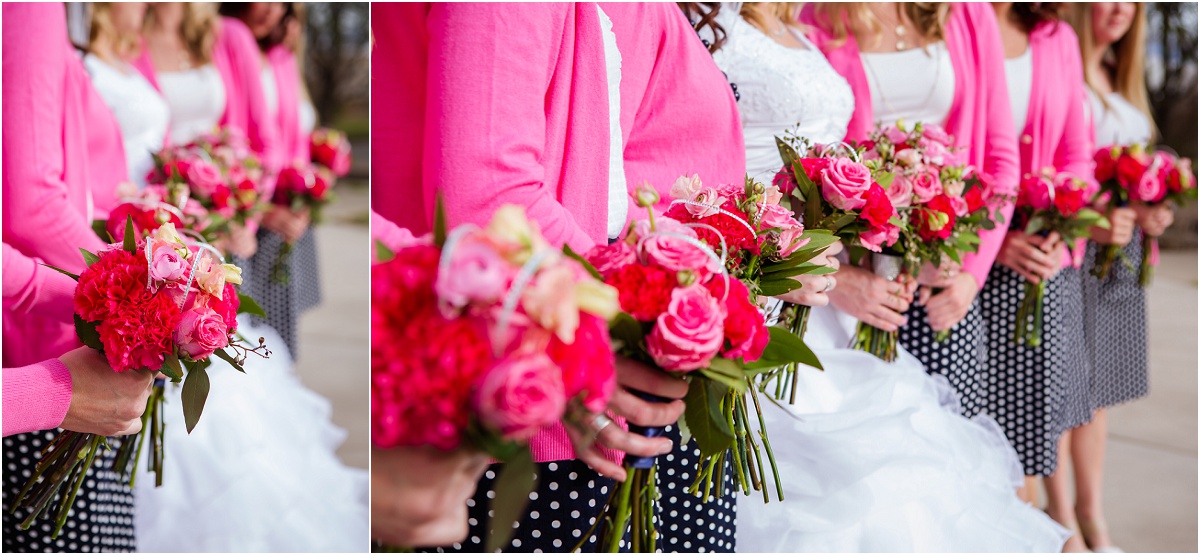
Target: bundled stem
(1149,252)
(65,461)
(1028,327)
(878,342)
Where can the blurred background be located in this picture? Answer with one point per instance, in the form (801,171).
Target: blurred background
(334,337)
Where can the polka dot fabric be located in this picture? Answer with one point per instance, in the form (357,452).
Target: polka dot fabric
(960,358)
(1114,319)
(283,303)
(1036,393)
(101,519)
(571,496)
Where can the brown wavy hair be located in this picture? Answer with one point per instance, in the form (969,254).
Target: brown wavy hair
(841,19)
(1125,60)
(705,15)
(1031,14)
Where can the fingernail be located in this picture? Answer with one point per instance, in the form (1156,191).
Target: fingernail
(666,448)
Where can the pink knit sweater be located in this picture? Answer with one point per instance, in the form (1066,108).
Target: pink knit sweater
(981,116)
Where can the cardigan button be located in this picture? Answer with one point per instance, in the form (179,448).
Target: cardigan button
(1026,138)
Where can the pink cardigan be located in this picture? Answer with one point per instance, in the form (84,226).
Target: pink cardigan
(237,58)
(980,119)
(1058,132)
(294,144)
(490,104)
(54,165)
(678,113)
(36,396)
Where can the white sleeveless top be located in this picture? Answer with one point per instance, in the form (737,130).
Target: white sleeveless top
(618,193)
(1019,73)
(913,85)
(270,90)
(308,116)
(781,88)
(196,98)
(1118,124)
(140,111)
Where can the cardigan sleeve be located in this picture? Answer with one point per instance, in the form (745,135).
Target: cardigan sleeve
(39,217)
(36,397)
(1001,159)
(246,67)
(488,71)
(30,287)
(1075,150)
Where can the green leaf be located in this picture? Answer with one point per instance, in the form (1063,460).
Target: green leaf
(775,288)
(100,227)
(516,479)
(785,347)
(87,333)
(63,272)
(221,354)
(130,238)
(567,250)
(628,331)
(705,418)
(1035,225)
(727,372)
(382,252)
(88,257)
(195,392)
(786,152)
(439,223)
(172,368)
(247,305)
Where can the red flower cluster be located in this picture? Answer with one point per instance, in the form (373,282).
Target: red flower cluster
(934,219)
(331,148)
(746,333)
(643,291)
(733,228)
(306,184)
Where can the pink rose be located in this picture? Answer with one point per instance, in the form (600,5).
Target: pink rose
(937,154)
(686,187)
(609,258)
(203,177)
(670,252)
(775,216)
(690,333)
(200,332)
(166,264)
(895,135)
(844,184)
(1150,187)
(475,273)
(520,396)
(900,191)
(875,239)
(709,202)
(772,195)
(960,206)
(926,185)
(937,134)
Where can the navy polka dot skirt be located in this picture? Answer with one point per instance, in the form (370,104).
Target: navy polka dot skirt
(960,358)
(1115,326)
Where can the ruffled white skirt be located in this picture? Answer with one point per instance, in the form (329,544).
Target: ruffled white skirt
(258,474)
(876,457)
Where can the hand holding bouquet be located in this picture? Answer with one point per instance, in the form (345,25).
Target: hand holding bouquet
(1133,174)
(1050,202)
(162,304)
(483,337)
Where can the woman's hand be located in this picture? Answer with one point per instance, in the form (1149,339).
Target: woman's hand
(1120,231)
(631,374)
(872,299)
(241,242)
(285,223)
(947,308)
(814,290)
(1154,220)
(104,402)
(1034,257)
(419,494)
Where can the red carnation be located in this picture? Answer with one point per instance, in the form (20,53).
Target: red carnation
(935,219)
(406,282)
(1106,164)
(746,333)
(814,167)
(975,199)
(1129,169)
(105,285)
(878,208)
(139,331)
(588,365)
(644,291)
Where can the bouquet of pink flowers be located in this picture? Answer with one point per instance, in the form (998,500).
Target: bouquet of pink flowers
(835,191)
(219,171)
(304,186)
(331,149)
(1133,174)
(942,201)
(1050,202)
(163,304)
(484,337)
(683,312)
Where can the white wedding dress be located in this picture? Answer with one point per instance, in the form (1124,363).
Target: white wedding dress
(873,456)
(260,472)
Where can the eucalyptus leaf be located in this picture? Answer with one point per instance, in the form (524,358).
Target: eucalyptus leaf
(512,486)
(194,394)
(172,368)
(221,354)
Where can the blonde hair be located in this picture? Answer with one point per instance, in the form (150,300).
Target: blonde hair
(786,12)
(124,45)
(1124,60)
(198,30)
(844,18)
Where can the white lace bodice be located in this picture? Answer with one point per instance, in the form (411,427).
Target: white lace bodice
(197,101)
(141,113)
(780,88)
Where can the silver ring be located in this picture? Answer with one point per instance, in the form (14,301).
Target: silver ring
(828,285)
(600,422)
